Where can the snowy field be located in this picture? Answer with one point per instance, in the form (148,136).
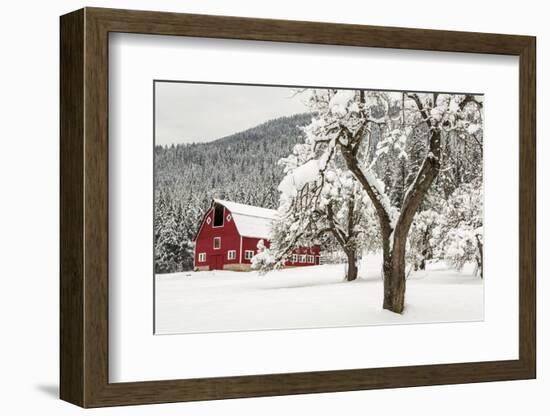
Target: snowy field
(309,297)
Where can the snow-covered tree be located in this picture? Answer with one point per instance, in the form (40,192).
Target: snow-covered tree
(420,245)
(173,235)
(346,123)
(167,254)
(319,204)
(461,231)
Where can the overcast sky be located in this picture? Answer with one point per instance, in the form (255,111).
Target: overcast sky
(187,112)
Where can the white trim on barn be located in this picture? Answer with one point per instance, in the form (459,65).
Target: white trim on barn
(241,249)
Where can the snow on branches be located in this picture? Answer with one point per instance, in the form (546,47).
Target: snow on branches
(320,203)
(460,232)
(393,145)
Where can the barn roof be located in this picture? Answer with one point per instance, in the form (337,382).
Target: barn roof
(251,221)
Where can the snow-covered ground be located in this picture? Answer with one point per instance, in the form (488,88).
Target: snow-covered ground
(309,297)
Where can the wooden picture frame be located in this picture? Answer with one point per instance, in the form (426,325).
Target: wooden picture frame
(84,207)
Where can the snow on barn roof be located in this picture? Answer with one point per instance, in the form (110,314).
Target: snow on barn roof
(251,221)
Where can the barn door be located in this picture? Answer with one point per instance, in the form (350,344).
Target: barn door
(218,262)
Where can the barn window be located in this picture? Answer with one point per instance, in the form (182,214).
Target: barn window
(231,255)
(302,258)
(202,257)
(218,215)
(294,258)
(217,243)
(248,254)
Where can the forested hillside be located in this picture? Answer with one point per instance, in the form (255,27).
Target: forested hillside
(241,167)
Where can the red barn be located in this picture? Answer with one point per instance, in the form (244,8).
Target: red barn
(229,234)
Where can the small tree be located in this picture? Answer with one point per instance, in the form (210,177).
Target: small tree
(319,203)
(420,246)
(461,232)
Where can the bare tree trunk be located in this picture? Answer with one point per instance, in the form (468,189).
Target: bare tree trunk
(422,265)
(480,256)
(346,241)
(394,287)
(394,284)
(351,273)
(394,275)
(424,251)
